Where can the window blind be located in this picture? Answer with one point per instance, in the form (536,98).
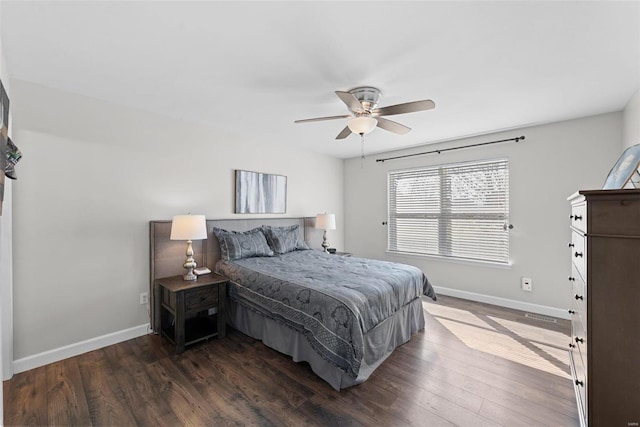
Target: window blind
(459,211)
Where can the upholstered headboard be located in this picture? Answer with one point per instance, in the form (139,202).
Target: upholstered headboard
(167,256)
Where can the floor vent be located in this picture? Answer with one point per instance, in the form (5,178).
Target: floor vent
(541,318)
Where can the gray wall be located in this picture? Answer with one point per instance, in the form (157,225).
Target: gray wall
(92,176)
(554,161)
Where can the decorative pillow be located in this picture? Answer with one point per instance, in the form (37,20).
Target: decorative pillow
(284,239)
(238,245)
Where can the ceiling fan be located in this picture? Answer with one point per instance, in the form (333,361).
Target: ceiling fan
(362,102)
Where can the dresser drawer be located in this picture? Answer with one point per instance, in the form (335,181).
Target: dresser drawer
(616,217)
(202,298)
(579,216)
(579,376)
(579,252)
(578,355)
(579,294)
(578,334)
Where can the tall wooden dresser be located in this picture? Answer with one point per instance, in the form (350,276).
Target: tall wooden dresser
(605,312)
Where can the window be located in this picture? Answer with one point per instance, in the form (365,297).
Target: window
(455,211)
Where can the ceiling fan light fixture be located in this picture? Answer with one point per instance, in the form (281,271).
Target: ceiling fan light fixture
(362,125)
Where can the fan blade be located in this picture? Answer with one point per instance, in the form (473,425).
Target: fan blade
(345,133)
(392,126)
(319,119)
(407,107)
(349,99)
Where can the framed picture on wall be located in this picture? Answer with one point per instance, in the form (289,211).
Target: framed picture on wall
(625,172)
(258,192)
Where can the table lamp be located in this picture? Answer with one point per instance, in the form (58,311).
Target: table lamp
(189,227)
(325,221)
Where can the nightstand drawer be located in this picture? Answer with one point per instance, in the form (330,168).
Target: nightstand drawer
(201,298)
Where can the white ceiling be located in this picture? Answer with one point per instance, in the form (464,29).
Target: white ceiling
(254,67)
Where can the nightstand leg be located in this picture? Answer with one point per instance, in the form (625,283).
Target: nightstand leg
(222,310)
(180,323)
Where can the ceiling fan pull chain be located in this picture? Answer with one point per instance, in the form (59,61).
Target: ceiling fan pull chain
(362,151)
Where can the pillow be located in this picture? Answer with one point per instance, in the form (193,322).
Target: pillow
(284,239)
(238,245)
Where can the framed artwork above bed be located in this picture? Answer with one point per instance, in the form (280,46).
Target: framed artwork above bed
(258,192)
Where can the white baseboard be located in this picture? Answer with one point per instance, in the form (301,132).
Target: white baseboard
(504,302)
(57,354)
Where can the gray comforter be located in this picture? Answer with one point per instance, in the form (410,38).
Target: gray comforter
(332,300)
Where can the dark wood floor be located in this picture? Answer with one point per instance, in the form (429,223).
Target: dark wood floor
(474,365)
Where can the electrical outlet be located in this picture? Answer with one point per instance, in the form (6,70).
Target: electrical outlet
(212,311)
(527,284)
(144,297)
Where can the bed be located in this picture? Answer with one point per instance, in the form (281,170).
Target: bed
(342,315)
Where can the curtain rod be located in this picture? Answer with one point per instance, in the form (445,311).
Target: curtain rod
(450,149)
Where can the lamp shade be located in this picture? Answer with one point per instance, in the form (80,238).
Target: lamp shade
(362,125)
(326,221)
(188,227)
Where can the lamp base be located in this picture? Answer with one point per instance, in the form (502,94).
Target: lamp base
(190,263)
(190,276)
(325,244)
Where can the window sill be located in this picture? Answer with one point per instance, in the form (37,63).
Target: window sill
(476,263)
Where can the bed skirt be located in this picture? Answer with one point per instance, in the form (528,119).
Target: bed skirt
(379,342)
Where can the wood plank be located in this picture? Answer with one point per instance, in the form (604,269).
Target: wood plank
(25,398)
(220,388)
(274,406)
(181,396)
(510,417)
(289,389)
(66,399)
(104,396)
(139,389)
(412,373)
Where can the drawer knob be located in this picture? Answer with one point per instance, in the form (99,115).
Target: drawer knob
(580,383)
(572,312)
(580,340)
(571,245)
(572,345)
(572,279)
(570,216)
(577,217)
(577,297)
(578,254)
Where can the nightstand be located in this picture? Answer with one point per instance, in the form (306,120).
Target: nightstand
(187,308)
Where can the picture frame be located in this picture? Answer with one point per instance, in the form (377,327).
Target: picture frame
(625,173)
(258,193)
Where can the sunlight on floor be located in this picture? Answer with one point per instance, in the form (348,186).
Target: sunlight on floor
(528,345)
